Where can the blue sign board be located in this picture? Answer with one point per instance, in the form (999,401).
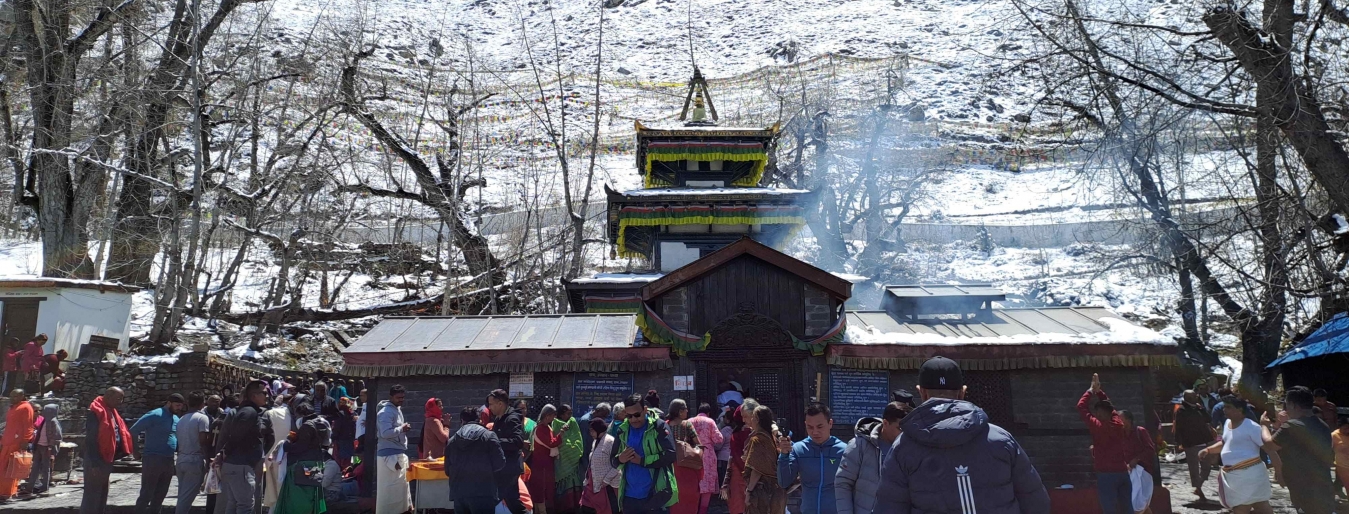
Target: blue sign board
(856,394)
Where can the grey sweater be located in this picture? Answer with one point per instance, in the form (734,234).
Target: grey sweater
(392,439)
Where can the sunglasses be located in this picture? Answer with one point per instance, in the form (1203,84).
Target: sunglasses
(636,415)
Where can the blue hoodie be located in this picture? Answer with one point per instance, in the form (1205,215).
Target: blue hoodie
(949,458)
(817,464)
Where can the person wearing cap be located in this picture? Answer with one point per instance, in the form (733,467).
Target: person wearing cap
(951,459)
(160,427)
(859,472)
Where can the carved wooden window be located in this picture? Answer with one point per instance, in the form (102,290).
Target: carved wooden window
(991,391)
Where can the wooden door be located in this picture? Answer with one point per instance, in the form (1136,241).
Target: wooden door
(757,353)
(19,321)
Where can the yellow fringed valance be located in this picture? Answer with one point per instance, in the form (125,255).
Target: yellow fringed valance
(760,162)
(1048,361)
(697,220)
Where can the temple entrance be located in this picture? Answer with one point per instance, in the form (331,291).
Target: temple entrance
(755,352)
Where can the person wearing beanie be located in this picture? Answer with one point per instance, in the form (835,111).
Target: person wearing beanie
(951,459)
(160,427)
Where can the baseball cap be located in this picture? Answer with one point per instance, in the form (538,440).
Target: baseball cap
(940,373)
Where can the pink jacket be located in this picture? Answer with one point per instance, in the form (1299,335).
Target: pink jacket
(32,358)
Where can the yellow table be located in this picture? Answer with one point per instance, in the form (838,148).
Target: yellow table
(433,486)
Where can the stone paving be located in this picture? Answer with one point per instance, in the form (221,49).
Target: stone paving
(65,499)
(122,492)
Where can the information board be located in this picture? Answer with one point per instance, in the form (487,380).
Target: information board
(855,394)
(591,389)
(522,385)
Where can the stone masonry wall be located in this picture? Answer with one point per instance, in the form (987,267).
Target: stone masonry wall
(817,311)
(675,309)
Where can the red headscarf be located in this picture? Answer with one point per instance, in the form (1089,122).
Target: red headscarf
(738,438)
(433,409)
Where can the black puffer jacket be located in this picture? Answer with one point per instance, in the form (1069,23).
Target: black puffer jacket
(470,454)
(950,459)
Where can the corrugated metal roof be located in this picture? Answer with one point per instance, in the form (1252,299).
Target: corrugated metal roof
(1002,322)
(943,290)
(543,332)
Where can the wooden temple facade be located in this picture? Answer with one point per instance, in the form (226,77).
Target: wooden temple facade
(718,304)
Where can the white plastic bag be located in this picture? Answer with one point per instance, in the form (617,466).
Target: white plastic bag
(212,480)
(1142,488)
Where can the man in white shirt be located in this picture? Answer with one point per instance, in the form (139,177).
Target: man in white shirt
(194,435)
(1243,485)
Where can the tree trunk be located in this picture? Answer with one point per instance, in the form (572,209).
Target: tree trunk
(437,194)
(1295,111)
(66,193)
(138,230)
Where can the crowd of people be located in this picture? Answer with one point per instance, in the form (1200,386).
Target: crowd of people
(293,449)
(273,447)
(636,458)
(1302,439)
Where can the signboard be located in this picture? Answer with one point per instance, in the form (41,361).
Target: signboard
(856,394)
(683,382)
(591,389)
(522,385)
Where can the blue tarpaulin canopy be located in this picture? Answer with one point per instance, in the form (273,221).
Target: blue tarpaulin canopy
(1331,338)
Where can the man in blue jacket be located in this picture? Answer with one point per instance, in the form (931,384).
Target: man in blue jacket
(815,459)
(950,459)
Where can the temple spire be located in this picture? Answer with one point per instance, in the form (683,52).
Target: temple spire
(698,95)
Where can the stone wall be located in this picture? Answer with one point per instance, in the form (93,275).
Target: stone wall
(675,309)
(818,311)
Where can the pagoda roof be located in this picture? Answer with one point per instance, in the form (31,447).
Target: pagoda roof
(644,132)
(705,195)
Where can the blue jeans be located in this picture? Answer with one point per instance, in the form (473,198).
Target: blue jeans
(1116,493)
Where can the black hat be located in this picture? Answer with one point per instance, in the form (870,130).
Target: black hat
(940,373)
(176,398)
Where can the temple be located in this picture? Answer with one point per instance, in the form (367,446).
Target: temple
(714,303)
(702,190)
